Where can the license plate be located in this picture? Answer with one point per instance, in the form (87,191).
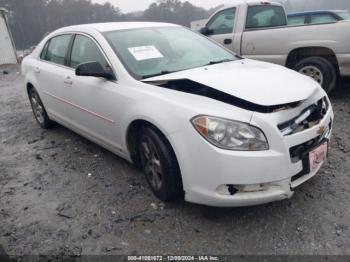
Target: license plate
(318,156)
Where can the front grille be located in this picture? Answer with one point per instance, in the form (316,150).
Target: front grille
(308,118)
(301,152)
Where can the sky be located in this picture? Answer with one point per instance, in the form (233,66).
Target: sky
(139,5)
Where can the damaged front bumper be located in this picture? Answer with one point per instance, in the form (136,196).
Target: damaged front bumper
(223,196)
(223,178)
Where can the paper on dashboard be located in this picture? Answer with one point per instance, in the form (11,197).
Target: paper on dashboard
(145,52)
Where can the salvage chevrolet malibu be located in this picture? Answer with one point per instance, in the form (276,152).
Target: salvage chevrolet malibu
(201,122)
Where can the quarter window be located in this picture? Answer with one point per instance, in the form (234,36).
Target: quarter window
(85,50)
(223,22)
(44,51)
(265,16)
(55,50)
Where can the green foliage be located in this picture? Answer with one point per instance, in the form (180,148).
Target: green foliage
(30,20)
(174,11)
(302,5)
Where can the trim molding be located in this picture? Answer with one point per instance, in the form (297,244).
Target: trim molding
(81,108)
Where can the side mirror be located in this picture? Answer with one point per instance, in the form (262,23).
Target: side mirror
(205,31)
(94,69)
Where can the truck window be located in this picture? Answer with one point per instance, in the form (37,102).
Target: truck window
(344,15)
(261,16)
(296,20)
(322,19)
(222,22)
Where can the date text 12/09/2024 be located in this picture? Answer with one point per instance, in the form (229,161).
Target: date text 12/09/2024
(173,258)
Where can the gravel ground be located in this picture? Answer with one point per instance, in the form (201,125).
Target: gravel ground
(65,196)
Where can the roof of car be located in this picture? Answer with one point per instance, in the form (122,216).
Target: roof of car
(113,26)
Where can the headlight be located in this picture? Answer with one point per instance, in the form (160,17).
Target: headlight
(231,135)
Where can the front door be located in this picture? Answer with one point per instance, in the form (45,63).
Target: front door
(221,27)
(94,102)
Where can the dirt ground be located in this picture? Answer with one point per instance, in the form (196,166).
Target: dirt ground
(65,196)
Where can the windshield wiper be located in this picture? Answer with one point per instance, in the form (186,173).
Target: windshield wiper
(219,62)
(164,72)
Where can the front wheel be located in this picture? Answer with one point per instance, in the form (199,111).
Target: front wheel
(160,165)
(39,109)
(320,69)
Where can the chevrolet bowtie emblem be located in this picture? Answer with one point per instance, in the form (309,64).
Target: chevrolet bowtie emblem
(321,130)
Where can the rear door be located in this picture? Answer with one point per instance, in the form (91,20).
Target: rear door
(221,27)
(50,71)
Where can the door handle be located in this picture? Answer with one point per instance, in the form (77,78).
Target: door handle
(68,81)
(37,70)
(227,41)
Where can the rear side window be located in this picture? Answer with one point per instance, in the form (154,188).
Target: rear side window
(265,16)
(55,50)
(296,20)
(85,50)
(223,22)
(322,19)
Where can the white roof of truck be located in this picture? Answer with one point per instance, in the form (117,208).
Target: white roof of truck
(252,3)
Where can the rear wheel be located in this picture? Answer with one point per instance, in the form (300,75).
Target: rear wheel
(320,69)
(39,109)
(160,165)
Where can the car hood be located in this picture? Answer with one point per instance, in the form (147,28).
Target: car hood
(260,83)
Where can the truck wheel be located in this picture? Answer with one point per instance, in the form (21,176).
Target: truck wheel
(320,69)
(159,165)
(39,109)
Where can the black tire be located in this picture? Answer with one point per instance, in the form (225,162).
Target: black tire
(170,187)
(37,105)
(327,70)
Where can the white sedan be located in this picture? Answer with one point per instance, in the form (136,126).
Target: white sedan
(202,122)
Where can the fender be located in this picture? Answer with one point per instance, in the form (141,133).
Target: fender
(165,120)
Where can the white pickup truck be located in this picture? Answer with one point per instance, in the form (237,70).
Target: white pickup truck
(260,31)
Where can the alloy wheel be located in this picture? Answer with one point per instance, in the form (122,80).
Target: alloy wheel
(37,107)
(151,163)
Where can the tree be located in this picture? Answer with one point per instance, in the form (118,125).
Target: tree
(30,20)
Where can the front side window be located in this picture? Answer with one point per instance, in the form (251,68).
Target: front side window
(223,22)
(85,50)
(56,49)
(265,16)
(153,51)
